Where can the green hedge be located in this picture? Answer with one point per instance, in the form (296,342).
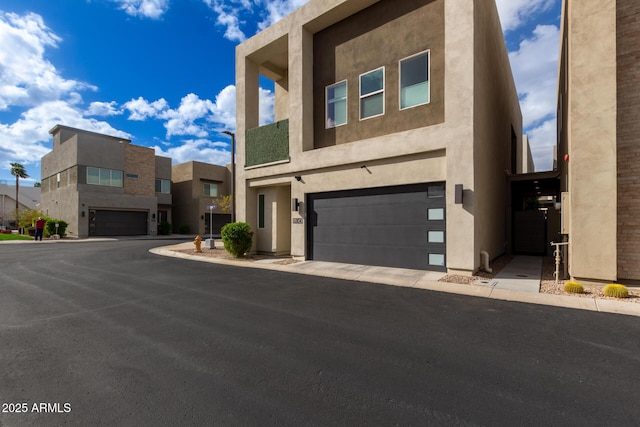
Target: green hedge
(266,144)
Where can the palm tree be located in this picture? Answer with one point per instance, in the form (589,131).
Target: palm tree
(18,171)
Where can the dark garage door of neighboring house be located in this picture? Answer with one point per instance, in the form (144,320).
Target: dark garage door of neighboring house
(402,226)
(117,223)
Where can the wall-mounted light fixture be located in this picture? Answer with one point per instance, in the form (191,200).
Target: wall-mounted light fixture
(298,178)
(82,214)
(295,204)
(458,194)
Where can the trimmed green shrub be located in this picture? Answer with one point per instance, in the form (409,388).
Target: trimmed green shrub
(237,238)
(615,290)
(164,228)
(50,227)
(572,287)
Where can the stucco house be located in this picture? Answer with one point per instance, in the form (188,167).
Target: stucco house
(196,187)
(397,125)
(103,185)
(28,198)
(599,138)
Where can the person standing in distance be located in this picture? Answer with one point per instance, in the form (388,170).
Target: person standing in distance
(40,228)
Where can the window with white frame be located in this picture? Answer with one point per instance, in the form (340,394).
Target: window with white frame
(372,94)
(101,176)
(163,186)
(211,190)
(336,108)
(414,80)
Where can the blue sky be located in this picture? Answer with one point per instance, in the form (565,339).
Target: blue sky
(161,72)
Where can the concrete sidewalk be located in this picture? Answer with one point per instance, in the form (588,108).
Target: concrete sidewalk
(522,274)
(508,286)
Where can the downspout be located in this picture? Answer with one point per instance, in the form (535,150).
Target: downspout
(484,261)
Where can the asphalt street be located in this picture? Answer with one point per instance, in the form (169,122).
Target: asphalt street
(106,333)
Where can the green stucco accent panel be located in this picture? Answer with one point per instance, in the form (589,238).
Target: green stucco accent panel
(266,144)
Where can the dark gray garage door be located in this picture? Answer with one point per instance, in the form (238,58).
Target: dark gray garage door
(117,223)
(389,226)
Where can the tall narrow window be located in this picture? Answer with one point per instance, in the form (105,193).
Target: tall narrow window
(414,80)
(336,104)
(372,94)
(163,186)
(260,210)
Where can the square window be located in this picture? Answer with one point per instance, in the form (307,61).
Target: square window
(336,105)
(435,191)
(436,236)
(436,214)
(372,94)
(414,81)
(436,259)
(211,190)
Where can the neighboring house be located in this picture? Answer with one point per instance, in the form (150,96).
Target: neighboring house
(28,198)
(397,126)
(599,138)
(197,186)
(103,185)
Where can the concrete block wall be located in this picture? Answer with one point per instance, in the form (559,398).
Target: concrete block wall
(628,136)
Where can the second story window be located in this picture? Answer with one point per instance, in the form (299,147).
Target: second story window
(372,94)
(163,186)
(102,176)
(414,80)
(211,190)
(336,107)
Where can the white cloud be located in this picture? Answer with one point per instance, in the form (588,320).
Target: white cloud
(534,66)
(103,109)
(514,13)
(27,139)
(153,9)
(202,150)
(140,109)
(228,17)
(278,9)
(266,106)
(182,121)
(26,77)
(542,140)
(229,12)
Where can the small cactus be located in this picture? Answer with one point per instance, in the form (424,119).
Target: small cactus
(617,291)
(572,287)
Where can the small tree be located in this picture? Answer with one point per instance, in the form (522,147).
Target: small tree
(224,203)
(18,171)
(237,238)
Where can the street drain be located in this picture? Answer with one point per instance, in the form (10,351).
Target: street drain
(521,275)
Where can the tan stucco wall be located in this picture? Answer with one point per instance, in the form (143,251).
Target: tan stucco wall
(189,202)
(590,30)
(496,115)
(442,151)
(374,38)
